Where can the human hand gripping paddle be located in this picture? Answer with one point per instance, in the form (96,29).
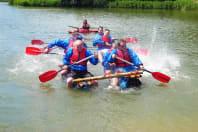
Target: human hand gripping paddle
(49,75)
(40,42)
(157,75)
(37,51)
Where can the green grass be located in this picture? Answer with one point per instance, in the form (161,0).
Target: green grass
(177,4)
(45,3)
(3,0)
(142,4)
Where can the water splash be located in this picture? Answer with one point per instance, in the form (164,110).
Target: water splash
(160,58)
(27,68)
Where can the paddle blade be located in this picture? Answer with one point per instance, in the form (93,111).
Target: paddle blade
(131,40)
(37,42)
(161,77)
(33,51)
(141,51)
(48,76)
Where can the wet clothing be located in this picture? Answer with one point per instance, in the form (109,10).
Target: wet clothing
(63,43)
(105,62)
(103,38)
(80,36)
(124,55)
(129,82)
(98,41)
(129,54)
(80,67)
(78,74)
(77,56)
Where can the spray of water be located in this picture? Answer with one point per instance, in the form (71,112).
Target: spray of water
(28,68)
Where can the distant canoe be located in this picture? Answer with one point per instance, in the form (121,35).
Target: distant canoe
(84,31)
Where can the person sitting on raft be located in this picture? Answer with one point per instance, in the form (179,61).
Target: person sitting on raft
(103,41)
(109,68)
(129,55)
(65,44)
(74,54)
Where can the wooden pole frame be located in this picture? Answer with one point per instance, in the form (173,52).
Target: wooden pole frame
(126,74)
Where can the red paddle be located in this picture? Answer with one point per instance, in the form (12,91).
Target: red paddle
(37,42)
(49,75)
(157,75)
(36,51)
(130,40)
(40,42)
(33,51)
(141,51)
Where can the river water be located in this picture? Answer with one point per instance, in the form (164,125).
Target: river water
(171,38)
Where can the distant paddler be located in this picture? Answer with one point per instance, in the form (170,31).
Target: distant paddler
(85,25)
(74,54)
(129,55)
(85,28)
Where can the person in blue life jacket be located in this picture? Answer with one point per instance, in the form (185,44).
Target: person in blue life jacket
(109,68)
(98,36)
(103,41)
(75,54)
(64,44)
(127,54)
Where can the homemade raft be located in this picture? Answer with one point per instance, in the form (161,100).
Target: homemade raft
(132,80)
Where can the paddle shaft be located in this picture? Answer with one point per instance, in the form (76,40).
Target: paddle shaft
(79,61)
(76,27)
(132,64)
(49,75)
(157,75)
(47,53)
(73,27)
(56,53)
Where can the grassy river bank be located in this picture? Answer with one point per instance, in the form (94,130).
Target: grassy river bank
(136,4)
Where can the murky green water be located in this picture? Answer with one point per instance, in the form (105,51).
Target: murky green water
(26,105)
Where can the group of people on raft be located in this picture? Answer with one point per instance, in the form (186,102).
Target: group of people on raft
(76,49)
